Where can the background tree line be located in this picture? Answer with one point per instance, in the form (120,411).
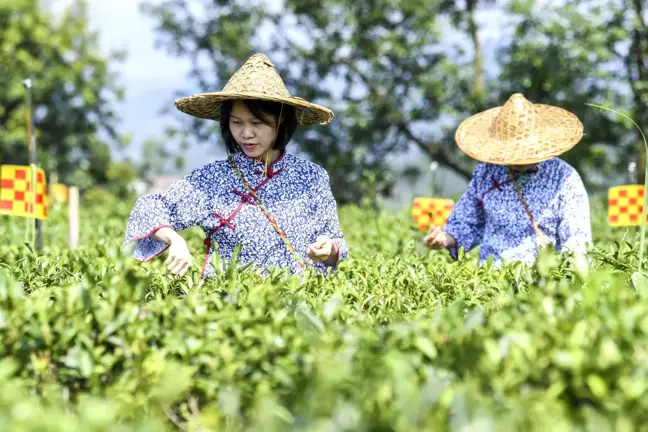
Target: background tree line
(399,74)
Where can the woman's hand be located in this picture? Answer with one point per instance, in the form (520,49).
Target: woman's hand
(437,239)
(323,250)
(179,260)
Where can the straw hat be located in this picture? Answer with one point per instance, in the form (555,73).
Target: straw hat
(519,133)
(256,79)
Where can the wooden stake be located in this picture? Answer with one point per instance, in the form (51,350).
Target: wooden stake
(36,225)
(73,217)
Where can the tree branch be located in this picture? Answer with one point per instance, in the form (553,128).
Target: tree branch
(478,90)
(403,128)
(439,156)
(639,12)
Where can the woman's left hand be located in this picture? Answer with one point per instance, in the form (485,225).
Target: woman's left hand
(323,250)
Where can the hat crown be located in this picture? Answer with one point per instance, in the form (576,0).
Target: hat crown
(516,121)
(257,76)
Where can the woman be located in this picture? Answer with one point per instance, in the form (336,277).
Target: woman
(521,195)
(277,206)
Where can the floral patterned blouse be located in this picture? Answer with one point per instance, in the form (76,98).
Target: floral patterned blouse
(491,214)
(296,193)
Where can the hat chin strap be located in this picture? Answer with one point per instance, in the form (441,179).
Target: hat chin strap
(265,157)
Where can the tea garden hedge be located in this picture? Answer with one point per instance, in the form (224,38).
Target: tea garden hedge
(398,339)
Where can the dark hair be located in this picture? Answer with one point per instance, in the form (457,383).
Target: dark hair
(262,110)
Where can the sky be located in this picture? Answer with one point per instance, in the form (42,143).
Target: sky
(148,74)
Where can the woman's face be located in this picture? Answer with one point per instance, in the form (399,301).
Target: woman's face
(251,134)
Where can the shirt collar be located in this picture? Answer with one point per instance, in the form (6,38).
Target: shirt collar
(252,165)
(532,170)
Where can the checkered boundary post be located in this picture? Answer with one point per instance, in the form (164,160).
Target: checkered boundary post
(431,211)
(625,205)
(15,192)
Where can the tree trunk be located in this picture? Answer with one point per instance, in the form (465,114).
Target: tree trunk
(478,62)
(638,75)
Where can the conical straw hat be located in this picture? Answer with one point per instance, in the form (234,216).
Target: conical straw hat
(519,133)
(256,79)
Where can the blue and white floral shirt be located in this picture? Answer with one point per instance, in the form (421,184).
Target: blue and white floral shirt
(490,213)
(296,192)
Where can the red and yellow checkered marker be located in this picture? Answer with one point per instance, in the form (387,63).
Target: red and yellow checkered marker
(625,205)
(59,192)
(15,195)
(431,211)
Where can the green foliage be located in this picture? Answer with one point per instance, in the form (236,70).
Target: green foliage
(121,177)
(74,86)
(399,338)
(579,53)
(642,238)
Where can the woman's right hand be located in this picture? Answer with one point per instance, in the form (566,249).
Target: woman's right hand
(179,260)
(437,239)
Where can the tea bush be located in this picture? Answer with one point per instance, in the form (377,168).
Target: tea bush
(400,338)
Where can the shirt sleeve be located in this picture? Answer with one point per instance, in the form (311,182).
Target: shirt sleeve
(329,223)
(466,221)
(181,206)
(574,226)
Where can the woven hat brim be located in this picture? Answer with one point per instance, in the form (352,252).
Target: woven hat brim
(558,131)
(208,106)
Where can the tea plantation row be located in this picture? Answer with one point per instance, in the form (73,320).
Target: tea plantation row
(399,339)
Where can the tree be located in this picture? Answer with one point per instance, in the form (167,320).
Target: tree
(577,54)
(382,65)
(397,75)
(463,17)
(73,91)
(635,61)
